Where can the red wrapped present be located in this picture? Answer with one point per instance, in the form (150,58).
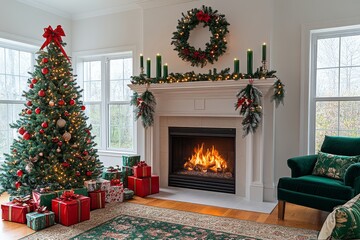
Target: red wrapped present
(97,199)
(71,208)
(16,210)
(142,170)
(144,186)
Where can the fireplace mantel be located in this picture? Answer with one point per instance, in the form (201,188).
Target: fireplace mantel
(211,104)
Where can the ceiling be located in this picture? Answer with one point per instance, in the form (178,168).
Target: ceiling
(79,9)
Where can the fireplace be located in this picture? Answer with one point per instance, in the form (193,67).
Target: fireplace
(202,158)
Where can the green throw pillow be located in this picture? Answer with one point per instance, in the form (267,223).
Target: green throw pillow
(343,222)
(333,166)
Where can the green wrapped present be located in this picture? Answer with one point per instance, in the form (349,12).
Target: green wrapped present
(40,220)
(126,171)
(130,161)
(112,173)
(128,194)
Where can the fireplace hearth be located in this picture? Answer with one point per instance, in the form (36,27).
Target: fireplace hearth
(202,158)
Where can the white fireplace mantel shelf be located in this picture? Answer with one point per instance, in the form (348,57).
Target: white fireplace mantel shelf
(203,85)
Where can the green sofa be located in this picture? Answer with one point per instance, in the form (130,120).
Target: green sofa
(320,192)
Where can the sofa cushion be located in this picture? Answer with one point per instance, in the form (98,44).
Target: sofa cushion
(347,146)
(316,185)
(333,166)
(343,222)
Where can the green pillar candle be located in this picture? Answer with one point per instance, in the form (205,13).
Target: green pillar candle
(236,65)
(141,61)
(264,52)
(158,66)
(148,69)
(165,70)
(250,61)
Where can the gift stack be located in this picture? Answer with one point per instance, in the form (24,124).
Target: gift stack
(112,173)
(16,210)
(96,194)
(114,191)
(128,163)
(143,183)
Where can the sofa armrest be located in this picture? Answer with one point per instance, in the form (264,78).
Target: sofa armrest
(302,165)
(352,177)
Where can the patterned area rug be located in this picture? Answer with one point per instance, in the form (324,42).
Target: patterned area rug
(134,221)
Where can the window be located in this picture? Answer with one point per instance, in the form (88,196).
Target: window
(335,86)
(16,61)
(107,99)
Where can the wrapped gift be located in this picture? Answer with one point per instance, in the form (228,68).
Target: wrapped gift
(128,194)
(91,185)
(16,210)
(103,184)
(130,161)
(40,219)
(142,170)
(71,208)
(112,173)
(144,186)
(126,171)
(97,199)
(116,194)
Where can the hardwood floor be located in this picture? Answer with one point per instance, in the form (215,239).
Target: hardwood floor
(295,216)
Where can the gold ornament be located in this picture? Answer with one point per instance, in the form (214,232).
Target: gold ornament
(66,136)
(87,157)
(41,154)
(29,167)
(51,103)
(258,108)
(61,123)
(58,150)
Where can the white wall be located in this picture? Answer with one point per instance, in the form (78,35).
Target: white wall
(20,22)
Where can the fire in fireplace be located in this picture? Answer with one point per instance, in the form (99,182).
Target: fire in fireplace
(202,158)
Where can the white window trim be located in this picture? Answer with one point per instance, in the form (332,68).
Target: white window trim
(307,54)
(109,53)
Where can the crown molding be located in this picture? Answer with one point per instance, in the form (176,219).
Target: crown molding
(46,8)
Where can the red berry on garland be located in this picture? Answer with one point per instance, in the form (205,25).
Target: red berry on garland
(26,136)
(83,108)
(61,102)
(17,185)
(41,93)
(88,173)
(19,173)
(44,125)
(31,85)
(37,110)
(29,111)
(66,113)
(60,143)
(72,102)
(41,131)
(65,164)
(77,173)
(21,131)
(29,103)
(45,70)
(34,80)
(44,60)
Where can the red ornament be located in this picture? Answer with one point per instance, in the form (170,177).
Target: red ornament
(65,164)
(77,173)
(26,136)
(34,80)
(19,173)
(44,125)
(37,110)
(41,131)
(29,111)
(66,113)
(65,85)
(83,108)
(45,70)
(55,140)
(21,131)
(87,131)
(72,102)
(88,173)
(41,93)
(88,141)
(44,60)
(17,185)
(61,102)
(85,153)
(60,143)
(29,103)
(31,85)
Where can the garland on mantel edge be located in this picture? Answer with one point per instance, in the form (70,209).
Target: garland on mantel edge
(248,98)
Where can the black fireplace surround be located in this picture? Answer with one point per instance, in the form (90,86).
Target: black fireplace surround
(183,141)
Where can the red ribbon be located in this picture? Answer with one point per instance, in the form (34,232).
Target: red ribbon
(142,164)
(201,16)
(54,35)
(68,195)
(22,201)
(42,209)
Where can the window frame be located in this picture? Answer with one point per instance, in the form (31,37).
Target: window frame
(104,57)
(316,35)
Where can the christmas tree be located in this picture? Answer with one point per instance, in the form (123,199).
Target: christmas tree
(55,148)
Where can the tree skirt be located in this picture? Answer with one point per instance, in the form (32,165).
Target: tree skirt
(131,221)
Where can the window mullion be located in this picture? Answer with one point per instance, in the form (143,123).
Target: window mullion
(105,100)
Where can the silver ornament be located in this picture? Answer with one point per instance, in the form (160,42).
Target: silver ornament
(58,150)
(29,167)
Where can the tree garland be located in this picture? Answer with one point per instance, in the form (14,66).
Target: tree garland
(214,49)
(145,107)
(279,93)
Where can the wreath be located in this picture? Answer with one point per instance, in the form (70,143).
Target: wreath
(214,49)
